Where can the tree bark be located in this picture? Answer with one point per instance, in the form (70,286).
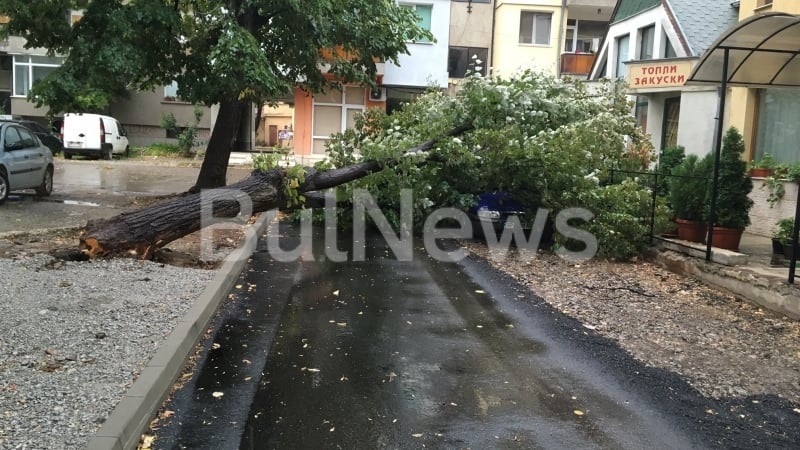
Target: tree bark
(140,233)
(213,172)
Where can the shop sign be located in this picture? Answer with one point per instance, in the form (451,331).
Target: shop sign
(658,75)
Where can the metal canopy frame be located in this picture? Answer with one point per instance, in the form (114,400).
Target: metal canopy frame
(760,51)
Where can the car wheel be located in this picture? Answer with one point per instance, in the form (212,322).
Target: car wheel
(128,151)
(67,155)
(46,188)
(3,187)
(107,154)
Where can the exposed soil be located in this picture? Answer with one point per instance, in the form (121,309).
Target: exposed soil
(185,252)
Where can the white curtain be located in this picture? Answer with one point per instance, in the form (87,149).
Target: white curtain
(778,130)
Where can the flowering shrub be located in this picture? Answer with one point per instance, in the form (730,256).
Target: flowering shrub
(550,142)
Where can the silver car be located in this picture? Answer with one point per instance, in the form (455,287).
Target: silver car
(25,163)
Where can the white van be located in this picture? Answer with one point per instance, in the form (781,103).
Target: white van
(93,135)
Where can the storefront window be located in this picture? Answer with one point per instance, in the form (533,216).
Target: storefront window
(777,131)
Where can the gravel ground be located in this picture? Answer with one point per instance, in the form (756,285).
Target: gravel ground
(725,347)
(75,335)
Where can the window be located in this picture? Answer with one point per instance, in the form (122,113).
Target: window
(534,28)
(27,138)
(463,59)
(622,56)
(424,13)
(30,69)
(669,128)
(171,91)
(583,36)
(19,138)
(641,112)
(13,140)
(777,131)
(646,40)
(334,112)
(669,50)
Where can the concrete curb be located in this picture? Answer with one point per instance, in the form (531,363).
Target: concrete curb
(769,292)
(131,417)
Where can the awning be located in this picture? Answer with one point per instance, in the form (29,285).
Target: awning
(762,51)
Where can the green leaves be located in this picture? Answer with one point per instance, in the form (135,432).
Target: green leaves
(548,142)
(256,50)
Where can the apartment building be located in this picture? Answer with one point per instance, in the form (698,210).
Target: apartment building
(490,37)
(560,37)
(140,114)
(316,117)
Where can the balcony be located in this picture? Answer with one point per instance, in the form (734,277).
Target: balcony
(576,63)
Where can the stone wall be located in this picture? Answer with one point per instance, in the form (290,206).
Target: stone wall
(762,216)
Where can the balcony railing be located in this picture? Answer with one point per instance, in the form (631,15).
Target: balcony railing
(577,63)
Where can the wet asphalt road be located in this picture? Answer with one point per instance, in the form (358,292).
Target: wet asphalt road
(419,354)
(93,189)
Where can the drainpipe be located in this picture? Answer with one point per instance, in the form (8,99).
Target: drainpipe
(490,62)
(560,37)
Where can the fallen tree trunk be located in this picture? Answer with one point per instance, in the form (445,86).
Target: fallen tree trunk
(140,233)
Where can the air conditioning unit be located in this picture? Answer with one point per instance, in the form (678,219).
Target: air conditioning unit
(377,94)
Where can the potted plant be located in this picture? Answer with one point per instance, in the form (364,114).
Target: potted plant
(687,196)
(764,167)
(670,157)
(733,204)
(783,234)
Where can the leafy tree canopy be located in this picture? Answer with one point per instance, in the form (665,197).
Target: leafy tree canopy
(551,143)
(215,49)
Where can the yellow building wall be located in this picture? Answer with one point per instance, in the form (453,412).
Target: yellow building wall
(749,7)
(509,56)
(744,101)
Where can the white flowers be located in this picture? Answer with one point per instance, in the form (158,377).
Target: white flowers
(457,141)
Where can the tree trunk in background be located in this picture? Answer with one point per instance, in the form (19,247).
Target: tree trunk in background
(214,170)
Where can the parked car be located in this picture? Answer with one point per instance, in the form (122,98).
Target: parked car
(48,137)
(497,208)
(93,135)
(25,163)
(494,209)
